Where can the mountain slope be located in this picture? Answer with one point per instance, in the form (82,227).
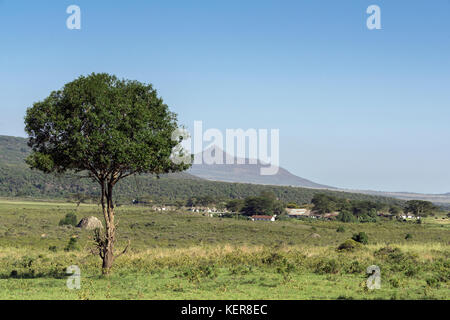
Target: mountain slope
(246,172)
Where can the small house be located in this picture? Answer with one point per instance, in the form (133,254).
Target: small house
(262,218)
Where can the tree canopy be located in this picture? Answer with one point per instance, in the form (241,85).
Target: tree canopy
(419,207)
(104,126)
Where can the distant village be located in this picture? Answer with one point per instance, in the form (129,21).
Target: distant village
(292,213)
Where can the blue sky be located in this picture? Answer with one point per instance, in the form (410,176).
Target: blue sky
(356,108)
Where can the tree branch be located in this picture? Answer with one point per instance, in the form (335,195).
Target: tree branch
(124,250)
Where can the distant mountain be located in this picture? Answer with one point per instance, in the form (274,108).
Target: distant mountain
(246,172)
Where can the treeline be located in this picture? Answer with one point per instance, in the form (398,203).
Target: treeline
(168,190)
(367,210)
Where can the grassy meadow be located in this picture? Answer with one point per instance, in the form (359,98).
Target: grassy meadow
(176,255)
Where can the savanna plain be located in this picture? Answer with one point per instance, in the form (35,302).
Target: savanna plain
(181,255)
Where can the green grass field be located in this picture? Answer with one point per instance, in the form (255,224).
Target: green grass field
(191,256)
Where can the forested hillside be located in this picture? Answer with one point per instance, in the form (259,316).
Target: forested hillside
(17,180)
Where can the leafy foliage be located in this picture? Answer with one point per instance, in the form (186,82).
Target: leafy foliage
(361,238)
(419,207)
(266,204)
(349,245)
(100,124)
(69,220)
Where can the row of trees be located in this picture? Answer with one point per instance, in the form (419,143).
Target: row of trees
(365,210)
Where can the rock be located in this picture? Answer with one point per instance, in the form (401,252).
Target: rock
(315,235)
(90,223)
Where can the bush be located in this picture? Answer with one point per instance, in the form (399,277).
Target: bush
(72,245)
(411,269)
(433,282)
(349,245)
(195,274)
(361,238)
(340,229)
(327,266)
(346,216)
(408,236)
(388,252)
(394,282)
(52,248)
(69,220)
(355,267)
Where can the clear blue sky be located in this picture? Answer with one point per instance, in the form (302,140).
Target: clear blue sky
(355,108)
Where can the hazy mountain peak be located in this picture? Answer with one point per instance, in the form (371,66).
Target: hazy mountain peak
(215,164)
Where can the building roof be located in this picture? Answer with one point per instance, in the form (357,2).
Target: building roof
(297,212)
(261,217)
(331,215)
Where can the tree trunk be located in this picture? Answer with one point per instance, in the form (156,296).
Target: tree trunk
(107,245)
(108,260)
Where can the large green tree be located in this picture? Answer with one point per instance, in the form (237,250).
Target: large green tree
(108,128)
(419,208)
(266,203)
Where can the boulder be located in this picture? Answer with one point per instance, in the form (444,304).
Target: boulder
(90,223)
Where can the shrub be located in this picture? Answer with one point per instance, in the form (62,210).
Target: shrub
(408,236)
(340,229)
(361,238)
(355,267)
(394,282)
(52,248)
(387,252)
(195,274)
(241,269)
(349,245)
(411,269)
(327,266)
(272,258)
(346,216)
(433,282)
(285,269)
(72,245)
(69,220)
